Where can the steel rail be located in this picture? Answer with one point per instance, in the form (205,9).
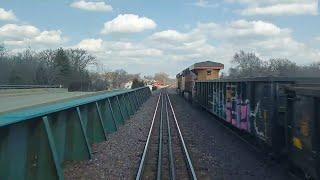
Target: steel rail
(141,166)
(193,173)
(171,159)
(159,170)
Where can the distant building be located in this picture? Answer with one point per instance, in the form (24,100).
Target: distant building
(207,70)
(128,85)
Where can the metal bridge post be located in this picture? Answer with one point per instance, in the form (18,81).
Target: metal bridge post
(137,101)
(53,148)
(134,105)
(119,105)
(123,101)
(126,95)
(84,132)
(112,113)
(101,121)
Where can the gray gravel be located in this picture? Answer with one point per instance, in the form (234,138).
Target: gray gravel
(119,156)
(217,153)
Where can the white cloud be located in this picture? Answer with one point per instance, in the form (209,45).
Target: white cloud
(7,15)
(197,44)
(277,7)
(205,4)
(169,35)
(318,38)
(239,29)
(18,31)
(128,23)
(287,47)
(25,35)
(264,2)
(149,52)
(264,38)
(117,49)
(243,27)
(131,56)
(49,37)
(283,9)
(120,45)
(15,43)
(171,50)
(90,44)
(91,6)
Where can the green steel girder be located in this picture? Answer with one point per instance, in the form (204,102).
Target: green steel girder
(35,143)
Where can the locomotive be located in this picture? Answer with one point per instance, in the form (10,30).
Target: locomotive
(281,114)
(202,71)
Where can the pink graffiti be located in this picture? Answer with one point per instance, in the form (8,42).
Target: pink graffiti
(244,117)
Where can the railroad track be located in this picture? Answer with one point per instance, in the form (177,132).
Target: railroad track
(165,154)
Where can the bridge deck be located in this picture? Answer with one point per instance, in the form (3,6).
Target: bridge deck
(19,108)
(11,100)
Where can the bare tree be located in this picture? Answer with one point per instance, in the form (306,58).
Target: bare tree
(161,77)
(116,78)
(47,63)
(249,65)
(80,59)
(282,67)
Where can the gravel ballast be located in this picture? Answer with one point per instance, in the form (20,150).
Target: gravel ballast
(119,156)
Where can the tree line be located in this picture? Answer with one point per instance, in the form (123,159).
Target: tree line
(69,68)
(250,65)
(66,67)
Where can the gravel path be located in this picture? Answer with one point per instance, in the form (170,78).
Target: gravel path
(218,154)
(119,156)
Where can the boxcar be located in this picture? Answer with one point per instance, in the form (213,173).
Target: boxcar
(254,105)
(303,133)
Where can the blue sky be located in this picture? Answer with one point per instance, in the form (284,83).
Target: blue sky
(168,35)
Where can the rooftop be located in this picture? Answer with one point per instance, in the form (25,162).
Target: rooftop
(202,65)
(207,64)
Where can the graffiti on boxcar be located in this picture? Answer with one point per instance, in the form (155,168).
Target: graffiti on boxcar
(245,115)
(239,114)
(230,105)
(257,114)
(237,109)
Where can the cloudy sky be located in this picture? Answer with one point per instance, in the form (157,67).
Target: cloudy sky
(143,36)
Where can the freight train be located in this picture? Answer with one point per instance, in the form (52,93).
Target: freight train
(282,114)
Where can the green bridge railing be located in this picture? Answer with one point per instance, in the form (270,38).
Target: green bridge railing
(36,142)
